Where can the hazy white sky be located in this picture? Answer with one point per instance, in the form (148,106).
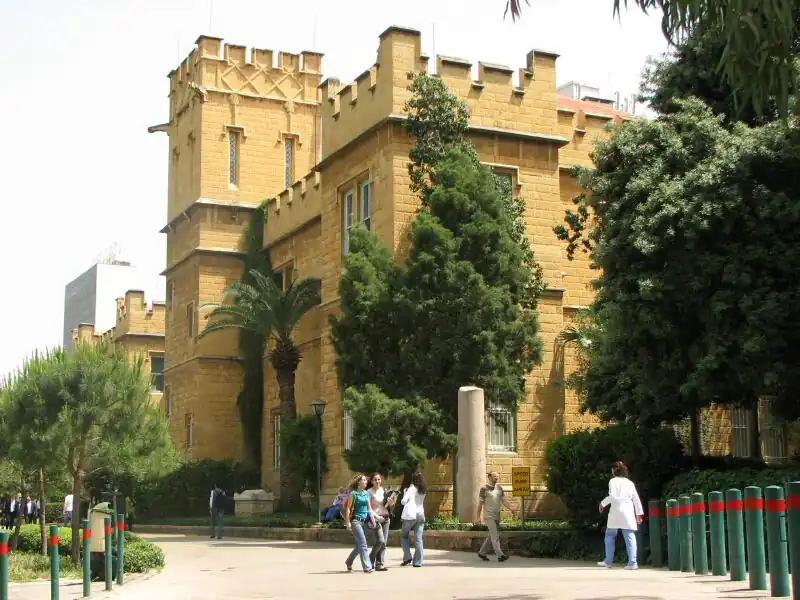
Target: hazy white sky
(82,79)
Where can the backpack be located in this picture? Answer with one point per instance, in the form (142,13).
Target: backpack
(219,500)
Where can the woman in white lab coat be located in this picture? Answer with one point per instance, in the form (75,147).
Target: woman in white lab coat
(626,515)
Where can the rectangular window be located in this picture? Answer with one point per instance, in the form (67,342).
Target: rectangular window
(773,433)
(188,421)
(288,162)
(233,157)
(741,434)
(156,372)
(284,277)
(170,295)
(347,219)
(365,203)
(347,430)
(501,429)
(192,320)
(276,442)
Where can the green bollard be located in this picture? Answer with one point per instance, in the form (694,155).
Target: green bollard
(793,519)
(108,564)
(120,549)
(687,560)
(716,518)
(53,562)
(655,515)
(754,528)
(777,542)
(3,566)
(673,535)
(87,565)
(733,508)
(699,545)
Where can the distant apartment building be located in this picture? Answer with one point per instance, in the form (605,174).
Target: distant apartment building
(90,298)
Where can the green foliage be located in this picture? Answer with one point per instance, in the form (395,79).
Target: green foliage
(691,303)
(27,566)
(393,435)
(142,556)
(580,334)
(579,465)
(30,539)
(299,443)
(185,491)
(716,480)
(54,511)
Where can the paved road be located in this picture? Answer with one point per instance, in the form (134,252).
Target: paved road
(202,569)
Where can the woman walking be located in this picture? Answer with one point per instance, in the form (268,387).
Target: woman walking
(381,504)
(357,512)
(413,519)
(626,515)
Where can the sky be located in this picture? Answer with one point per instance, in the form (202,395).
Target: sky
(83,79)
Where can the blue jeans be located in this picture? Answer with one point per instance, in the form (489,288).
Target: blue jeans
(360,549)
(417,527)
(217,520)
(629,535)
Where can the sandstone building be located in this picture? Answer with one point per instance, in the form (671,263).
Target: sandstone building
(249,124)
(139,331)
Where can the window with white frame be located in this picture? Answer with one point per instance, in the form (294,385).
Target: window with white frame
(501,429)
(347,430)
(762,431)
(276,442)
(188,421)
(365,203)
(348,199)
(233,157)
(288,162)
(741,432)
(156,372)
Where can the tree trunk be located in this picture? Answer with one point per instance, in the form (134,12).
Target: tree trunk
(696,442)
(42,513)
(289,493)
(77,486)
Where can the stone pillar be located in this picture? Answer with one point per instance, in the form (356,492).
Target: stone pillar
(471,451)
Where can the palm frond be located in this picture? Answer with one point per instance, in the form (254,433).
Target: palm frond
(515,7)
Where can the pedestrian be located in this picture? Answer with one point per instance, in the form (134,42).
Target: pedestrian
(357,513)
(491,499)
(68,509)
(413,518)
(381,504)
(626,514)
(216,507)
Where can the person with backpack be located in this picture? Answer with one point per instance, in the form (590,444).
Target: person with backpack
(216,506)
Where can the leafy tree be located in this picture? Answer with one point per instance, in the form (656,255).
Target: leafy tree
(692,304)
(264,308)
(299,444)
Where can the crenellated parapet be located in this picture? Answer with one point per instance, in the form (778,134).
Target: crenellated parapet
(136,317)
(293,208)
(216,67)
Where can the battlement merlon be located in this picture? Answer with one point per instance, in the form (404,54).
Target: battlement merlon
(135,316)
(293,209)
(213,66)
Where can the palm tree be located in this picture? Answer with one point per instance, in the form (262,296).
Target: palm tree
(263,307)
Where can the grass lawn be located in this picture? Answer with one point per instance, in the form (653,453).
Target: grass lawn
(30,566)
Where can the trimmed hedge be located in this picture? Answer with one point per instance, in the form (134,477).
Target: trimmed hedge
(710,480)
(579,465)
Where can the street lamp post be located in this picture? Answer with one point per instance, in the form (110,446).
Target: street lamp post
(319,410)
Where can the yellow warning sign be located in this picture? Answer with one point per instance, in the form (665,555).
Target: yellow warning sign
(521,481)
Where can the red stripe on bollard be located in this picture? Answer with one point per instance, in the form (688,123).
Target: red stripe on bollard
(53,541)
(776,505)
(734,505)
(655,512)
(685,509)
(3,549)
(121,526)
(716,506)
(793,501)
(753,504)
(87,534)
(673,512)
(108,529)
(699,507)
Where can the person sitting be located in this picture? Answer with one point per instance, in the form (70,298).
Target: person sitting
(334,511)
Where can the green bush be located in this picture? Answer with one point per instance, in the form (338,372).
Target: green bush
(54,512)
(141,556)
(579,465)
(576,544)
(299,443)
(708,480)
(184,492)
(30,539)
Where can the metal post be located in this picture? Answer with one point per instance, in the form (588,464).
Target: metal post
(777,542)
(733,508)
(120,549)
(54,562)
(716,517)
(3,566)
(687,560)
(87,567)
(793,518)
(699,545)
(673,535)
(754,529)
(656,515)
(319,469)
(108,559)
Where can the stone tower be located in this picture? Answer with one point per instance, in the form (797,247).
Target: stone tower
(243,125)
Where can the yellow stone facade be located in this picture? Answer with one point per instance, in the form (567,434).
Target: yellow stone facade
(245,125)
(139,331)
